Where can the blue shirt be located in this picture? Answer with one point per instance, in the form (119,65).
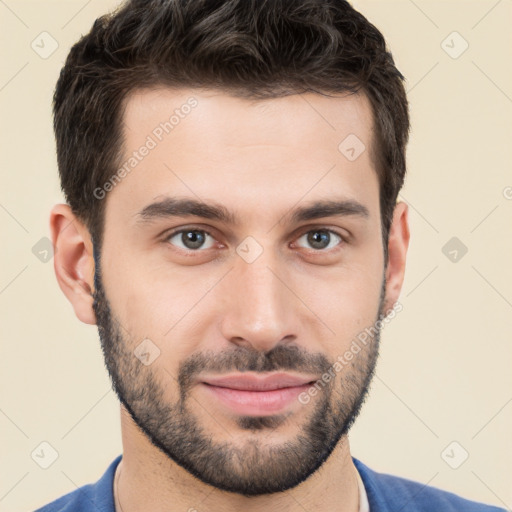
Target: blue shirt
(386,493)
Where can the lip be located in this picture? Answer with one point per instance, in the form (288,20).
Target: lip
(254,382)
(256,394)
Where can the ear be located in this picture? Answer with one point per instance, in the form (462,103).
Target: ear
(398,243)
(73,261)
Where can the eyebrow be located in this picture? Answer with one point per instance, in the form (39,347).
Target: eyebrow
(178,207)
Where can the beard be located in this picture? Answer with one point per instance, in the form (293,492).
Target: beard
(253,468)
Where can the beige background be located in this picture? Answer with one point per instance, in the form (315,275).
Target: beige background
(444,373)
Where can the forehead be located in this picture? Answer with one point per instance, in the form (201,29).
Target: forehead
(251,156)
(240,121)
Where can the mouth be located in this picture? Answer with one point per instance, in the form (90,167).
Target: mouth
(257,395)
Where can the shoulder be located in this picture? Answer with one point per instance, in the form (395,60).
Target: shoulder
(97,497)
(389,493)
(79,500)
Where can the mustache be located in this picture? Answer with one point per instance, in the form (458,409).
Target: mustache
(281,357)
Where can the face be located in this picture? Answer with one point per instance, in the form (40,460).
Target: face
(242,256)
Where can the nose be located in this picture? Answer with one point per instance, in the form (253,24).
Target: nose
(259,308)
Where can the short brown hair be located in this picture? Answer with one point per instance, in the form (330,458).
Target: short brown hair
(249,48)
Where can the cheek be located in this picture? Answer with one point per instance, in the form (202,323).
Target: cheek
(347,302)
(155,308)
(146,303)
(160,304)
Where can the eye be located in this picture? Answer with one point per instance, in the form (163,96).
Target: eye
(191,239)
(322,239)
(195,240)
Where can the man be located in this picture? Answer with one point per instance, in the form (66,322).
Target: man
(232,171)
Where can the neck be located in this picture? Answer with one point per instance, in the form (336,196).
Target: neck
(146,479)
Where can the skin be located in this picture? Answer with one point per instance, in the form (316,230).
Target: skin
(267,158)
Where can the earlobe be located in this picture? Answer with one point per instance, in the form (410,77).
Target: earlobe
(73,261)
(398,244)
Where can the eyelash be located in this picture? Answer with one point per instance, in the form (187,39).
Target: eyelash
(343,239)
